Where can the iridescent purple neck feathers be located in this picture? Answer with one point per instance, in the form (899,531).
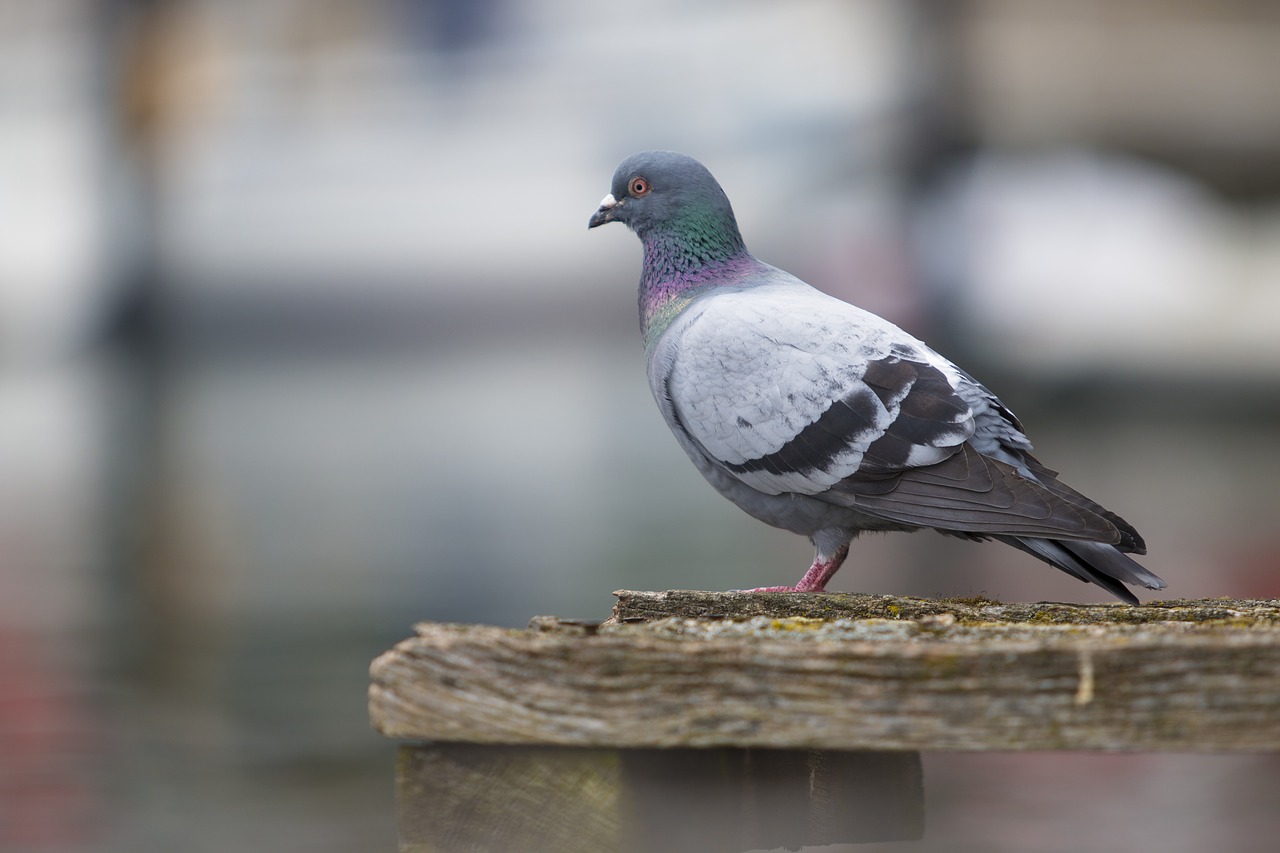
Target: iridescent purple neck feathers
(700,250)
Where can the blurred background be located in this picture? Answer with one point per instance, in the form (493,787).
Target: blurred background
(303,339)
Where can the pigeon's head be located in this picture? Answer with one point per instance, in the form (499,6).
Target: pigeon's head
(665,190)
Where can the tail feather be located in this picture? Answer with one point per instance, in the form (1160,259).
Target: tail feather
(1091,562)
(1130,540)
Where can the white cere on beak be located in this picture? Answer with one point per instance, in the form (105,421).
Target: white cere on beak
(608,202)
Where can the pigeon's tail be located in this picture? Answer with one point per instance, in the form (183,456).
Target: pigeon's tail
(1091,562)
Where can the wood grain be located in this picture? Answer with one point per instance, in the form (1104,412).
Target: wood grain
(693,669)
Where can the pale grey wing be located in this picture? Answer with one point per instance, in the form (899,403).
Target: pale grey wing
(789,390)
(851,410)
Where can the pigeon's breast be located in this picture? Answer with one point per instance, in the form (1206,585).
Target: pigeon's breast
(750,370)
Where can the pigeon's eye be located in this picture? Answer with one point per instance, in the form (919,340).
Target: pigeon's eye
(638,187)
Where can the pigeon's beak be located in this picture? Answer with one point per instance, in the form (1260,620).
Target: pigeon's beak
(607,213)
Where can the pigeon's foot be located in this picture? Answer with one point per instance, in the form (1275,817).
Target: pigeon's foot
(814,580)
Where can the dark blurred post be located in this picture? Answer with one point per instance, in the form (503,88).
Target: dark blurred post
(486,797)
(935,140)
(133,57)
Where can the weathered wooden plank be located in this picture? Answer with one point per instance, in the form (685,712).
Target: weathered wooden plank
(639,606)
(565,800)
(949,678)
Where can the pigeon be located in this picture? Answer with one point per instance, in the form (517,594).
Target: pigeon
(817,417)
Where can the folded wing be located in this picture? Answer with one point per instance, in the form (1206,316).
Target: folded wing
(851,410)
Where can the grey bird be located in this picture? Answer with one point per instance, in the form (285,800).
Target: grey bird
(818,417)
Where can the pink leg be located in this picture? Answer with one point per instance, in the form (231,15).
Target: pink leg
(814,580)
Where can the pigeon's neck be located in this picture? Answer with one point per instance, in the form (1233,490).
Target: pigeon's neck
(680,262)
